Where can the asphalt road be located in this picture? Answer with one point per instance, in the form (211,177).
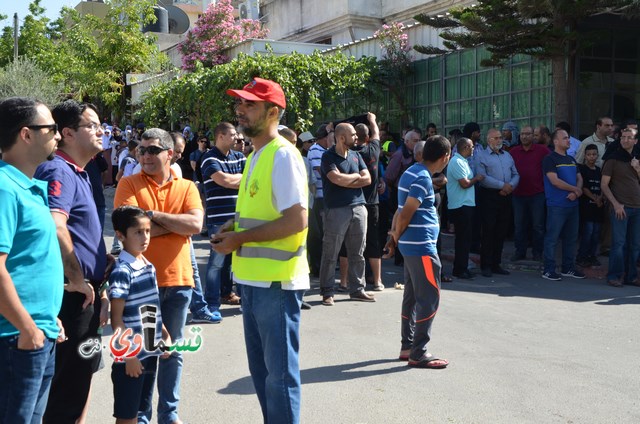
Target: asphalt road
(521,350)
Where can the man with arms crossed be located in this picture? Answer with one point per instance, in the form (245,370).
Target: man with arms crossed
(268,239)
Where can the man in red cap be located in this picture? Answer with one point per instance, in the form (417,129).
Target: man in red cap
(268,241)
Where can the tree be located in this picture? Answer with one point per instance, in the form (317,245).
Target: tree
(395,65)
(23,78)
(309,81)
(215,31)
(544,29)
(88,55)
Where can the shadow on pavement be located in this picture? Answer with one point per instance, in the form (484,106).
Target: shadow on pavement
(327,374)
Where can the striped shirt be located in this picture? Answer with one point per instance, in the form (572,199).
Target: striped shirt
(315,157)
(421,235)
(135,281)
(221,201)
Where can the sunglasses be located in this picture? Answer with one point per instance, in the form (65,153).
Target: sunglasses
(50,127)
(152,150)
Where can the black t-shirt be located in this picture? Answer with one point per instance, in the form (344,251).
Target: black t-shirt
(371,155)
(336,196)
(589,210)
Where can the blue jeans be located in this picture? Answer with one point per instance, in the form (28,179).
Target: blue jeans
(625,245)
(562,224)
(218,275)
(528,213)
(197,304)
(174,303)
(271,319)
(589,237)
(26,378)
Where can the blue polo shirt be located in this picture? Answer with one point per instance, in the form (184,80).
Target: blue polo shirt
(567,170)
(221,201)
(70,193)
(28,237)
(421,235)
(336,196)
(458,196)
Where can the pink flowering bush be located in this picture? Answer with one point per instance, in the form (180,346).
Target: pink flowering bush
(395,44)
(215,31)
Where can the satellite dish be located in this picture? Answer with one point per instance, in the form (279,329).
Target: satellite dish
(178,20)
(244,11)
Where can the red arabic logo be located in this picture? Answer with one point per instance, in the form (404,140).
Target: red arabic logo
(122,346)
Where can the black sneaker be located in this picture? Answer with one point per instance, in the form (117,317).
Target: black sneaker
(553,276)
(573,274)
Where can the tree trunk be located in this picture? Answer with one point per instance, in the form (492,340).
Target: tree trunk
(561,95)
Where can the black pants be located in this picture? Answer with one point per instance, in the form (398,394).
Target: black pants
(315,234)
(495,213)
(462,219)
(72,379)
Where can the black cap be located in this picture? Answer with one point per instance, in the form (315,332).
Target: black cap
(322,132)
(470,128)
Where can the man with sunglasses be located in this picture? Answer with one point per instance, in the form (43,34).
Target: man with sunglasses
(173,205)
(84,256)
(28,247)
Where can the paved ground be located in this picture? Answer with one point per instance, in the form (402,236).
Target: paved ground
(522,350)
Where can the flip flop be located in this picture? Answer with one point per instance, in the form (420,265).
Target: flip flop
(614,283)
(429,362)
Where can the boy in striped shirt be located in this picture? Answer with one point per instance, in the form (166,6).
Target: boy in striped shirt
(133,285)
(415,232)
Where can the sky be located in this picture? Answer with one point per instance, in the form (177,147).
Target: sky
(52,9)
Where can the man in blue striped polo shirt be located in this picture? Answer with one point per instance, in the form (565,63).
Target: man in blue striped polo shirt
(415,231)
(221,170)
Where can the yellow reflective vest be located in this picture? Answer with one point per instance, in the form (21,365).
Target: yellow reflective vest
(275,260)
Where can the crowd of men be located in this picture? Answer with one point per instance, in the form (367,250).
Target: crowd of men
(275,215)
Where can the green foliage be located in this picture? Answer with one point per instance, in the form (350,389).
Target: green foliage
(541,28)
(88,55)
(307,80)
(24,78)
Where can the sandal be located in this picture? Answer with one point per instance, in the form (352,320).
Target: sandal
(378,287)
(231,299)
(614,283)
(446,279)
(429,361)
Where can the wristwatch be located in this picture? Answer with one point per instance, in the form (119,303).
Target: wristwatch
(150,215)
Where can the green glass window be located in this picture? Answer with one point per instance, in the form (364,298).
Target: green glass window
(501,110)
(521,77)
(420,73)
(452,113)
(520,105)
(467,61)
(452,89)
(422,92)
(467,87)
(467,111)
(485,83)
(435,115)
(541,101)
(540,73)
(484,110)
(501,80)
(434,92)
(452,64)
(481,54)
(434,68)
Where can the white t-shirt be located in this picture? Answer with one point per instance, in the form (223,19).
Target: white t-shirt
(289,180)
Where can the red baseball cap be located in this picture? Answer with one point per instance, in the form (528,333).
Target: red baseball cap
(261,90)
